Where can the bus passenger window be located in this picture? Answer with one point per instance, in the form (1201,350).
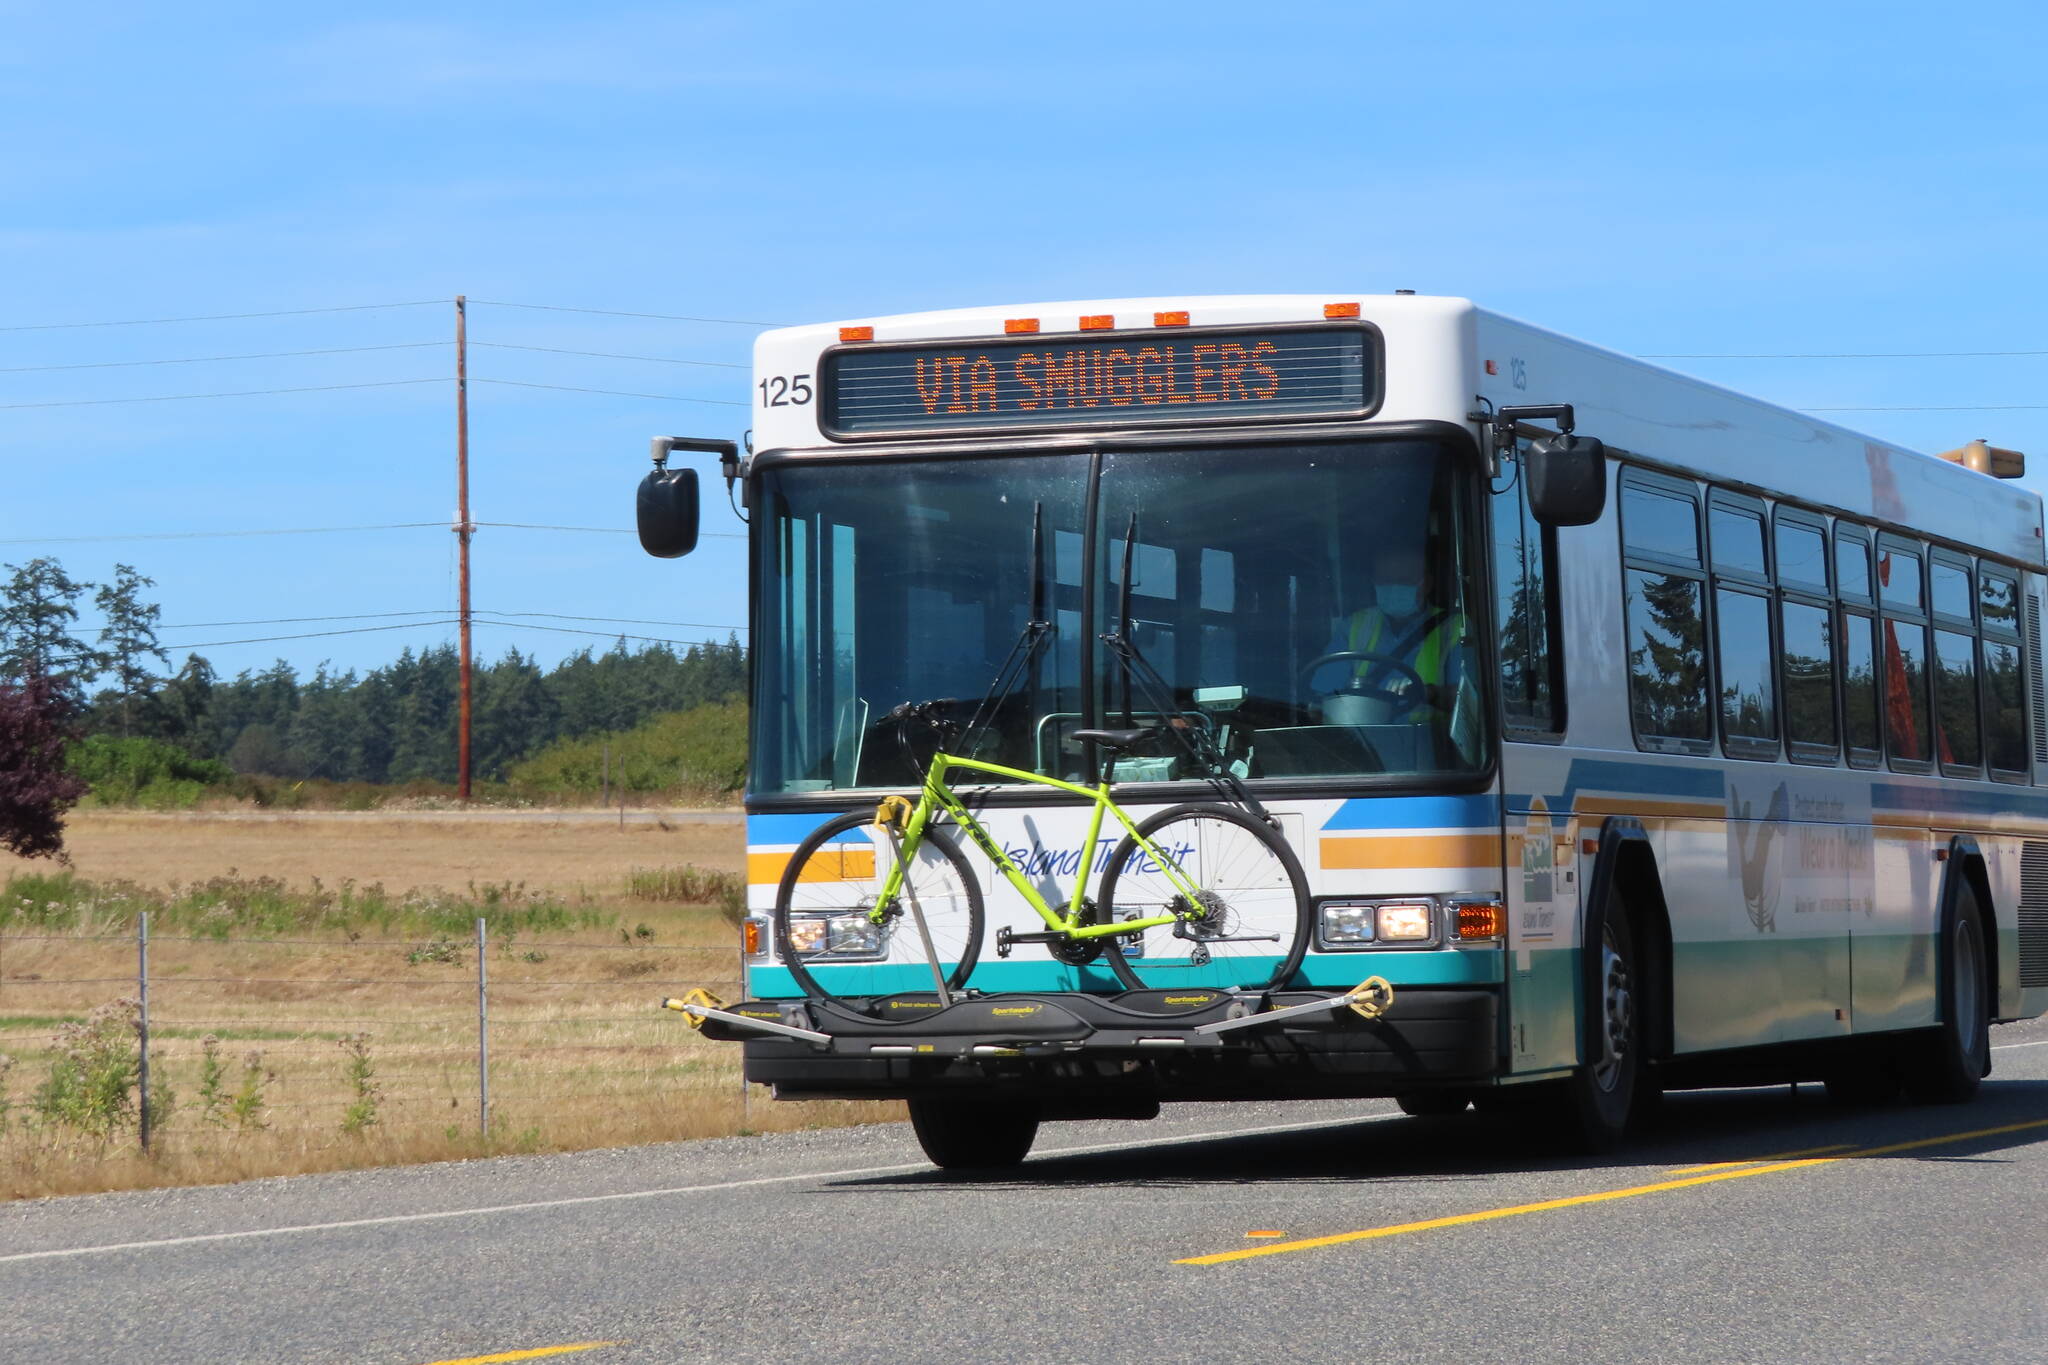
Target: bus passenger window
(1905,687)
(2005,706)
(1809,681)
(1859,689)
(1667,662)
(1802,557)
(1743,641)
(1957,743)
(1852,567)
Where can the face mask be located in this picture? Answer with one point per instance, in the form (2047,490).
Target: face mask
(1398,599)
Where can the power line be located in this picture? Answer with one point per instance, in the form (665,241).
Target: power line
(219,317)
(254,355)
(594,530)
(307,635)
(600,634)
(242,393)
(296,620)
(605,355)
(614,393)
(615,313)
(1964,407)
(1826,355)
(623,620)
(213,535)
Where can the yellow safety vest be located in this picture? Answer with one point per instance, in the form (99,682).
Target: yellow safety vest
(1369,624)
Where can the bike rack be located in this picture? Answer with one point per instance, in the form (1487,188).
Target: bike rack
(699,1011)
(1369,1001)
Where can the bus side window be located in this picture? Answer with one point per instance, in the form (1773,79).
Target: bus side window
(1664,583)
(1742,626)
(1901,586)
(1958,738)
(2005,705)
(1862,728)
(1525,614)
(1806,629)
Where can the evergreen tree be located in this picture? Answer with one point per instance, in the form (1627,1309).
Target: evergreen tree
(38,612)
(128,643)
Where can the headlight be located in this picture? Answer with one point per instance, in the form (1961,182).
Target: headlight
(1347,924)
(838,937)
(1404,922)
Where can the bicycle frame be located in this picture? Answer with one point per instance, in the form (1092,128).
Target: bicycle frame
(938,796)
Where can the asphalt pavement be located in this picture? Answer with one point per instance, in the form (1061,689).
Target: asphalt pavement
(1757,1225)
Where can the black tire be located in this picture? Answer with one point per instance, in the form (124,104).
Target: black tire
(1948,1065)
(972,1134)
(1433,1104)
(822,880)
(1256,883)
(1593,1108)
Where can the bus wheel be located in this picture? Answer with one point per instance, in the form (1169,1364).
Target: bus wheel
(973,1135)
(1433,1104)
(1593,1107)
(1947,1065)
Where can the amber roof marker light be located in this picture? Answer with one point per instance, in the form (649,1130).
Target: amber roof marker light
(1097,322)
(1176,319)
(856,334)
(1020,324)
(1340,310)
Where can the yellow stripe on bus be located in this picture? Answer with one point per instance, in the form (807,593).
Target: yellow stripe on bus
(1413,850)
(851,865)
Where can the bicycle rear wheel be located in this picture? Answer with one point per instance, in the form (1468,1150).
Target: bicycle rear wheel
(1256,923)
(823,933)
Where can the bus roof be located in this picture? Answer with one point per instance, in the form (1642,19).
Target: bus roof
(1442,351)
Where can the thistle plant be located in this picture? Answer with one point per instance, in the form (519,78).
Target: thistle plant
(361,1076)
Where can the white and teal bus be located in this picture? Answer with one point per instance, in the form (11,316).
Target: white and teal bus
(1635,733)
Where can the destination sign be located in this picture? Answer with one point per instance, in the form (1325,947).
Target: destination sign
(1151,377)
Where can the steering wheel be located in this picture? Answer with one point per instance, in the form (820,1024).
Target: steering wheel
(1406,698)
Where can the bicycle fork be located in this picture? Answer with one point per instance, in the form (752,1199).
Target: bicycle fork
(889,816)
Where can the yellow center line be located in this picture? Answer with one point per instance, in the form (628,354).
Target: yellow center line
(534,1354)
(1601,1197)
(1757,1160)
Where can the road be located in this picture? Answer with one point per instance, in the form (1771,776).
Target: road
(1895,1234)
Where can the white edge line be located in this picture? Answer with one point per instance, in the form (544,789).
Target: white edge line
(396,1218)
(2001,1047)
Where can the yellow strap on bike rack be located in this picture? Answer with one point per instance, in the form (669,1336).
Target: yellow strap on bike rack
(894,813)
(1373,997)
(696,995)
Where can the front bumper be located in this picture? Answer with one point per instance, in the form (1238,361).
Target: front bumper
(1138,1045)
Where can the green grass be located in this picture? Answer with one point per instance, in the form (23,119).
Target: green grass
(266,907)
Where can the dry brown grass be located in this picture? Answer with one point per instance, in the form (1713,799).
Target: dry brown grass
(581,1054)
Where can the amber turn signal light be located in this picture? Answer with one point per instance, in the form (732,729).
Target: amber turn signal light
(750,937)
(1482,919)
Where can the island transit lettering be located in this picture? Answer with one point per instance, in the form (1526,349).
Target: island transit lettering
(1091,376)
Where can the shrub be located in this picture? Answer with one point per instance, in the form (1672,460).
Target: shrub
(35,787)
(139,771)
(691,885)
(701,752)
(91,1085)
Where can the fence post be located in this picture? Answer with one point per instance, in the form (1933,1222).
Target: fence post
(142,1023)
(483,1036)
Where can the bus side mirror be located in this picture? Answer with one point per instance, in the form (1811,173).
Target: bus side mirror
(667,513)
(1567,480)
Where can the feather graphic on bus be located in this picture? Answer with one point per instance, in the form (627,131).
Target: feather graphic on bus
(1755,841)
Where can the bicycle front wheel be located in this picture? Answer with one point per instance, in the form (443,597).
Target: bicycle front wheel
(1250,889)
(824,930)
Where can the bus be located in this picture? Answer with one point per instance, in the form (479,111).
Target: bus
(1637,734)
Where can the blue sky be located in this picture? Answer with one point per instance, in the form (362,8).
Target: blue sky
(1786,178)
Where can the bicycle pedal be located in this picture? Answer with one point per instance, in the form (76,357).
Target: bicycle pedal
(1003,941)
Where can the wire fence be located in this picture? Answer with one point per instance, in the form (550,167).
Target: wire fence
(484,1035)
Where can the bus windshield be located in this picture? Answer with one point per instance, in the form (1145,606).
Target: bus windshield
(1305,605)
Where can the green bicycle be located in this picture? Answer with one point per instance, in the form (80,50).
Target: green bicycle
(882,901)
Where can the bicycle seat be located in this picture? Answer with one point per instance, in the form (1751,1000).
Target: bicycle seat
(1115,739)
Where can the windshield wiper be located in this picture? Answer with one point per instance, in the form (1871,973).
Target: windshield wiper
(1024,651)
(1191,733)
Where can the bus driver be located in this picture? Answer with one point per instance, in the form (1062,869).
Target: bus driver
(1403,656)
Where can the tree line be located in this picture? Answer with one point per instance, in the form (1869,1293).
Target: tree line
(395,723)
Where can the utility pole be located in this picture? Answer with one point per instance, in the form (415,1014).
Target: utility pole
(463,531)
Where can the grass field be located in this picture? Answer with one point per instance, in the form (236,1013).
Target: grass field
(323,974)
